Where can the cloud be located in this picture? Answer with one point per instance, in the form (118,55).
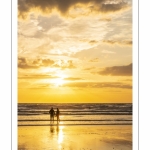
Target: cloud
(53,22)
(70,64)
(37,76)
(40,86)
(105,19)
(59,36)
(94,60)
(128,80)
(23,63)
(118,42)
(89,68)
(93,42)
(65,64)
(63,7)
(72,79)
(112,7)
(108,52)
(47,62)
(43,62)
(117,71)
(98,85)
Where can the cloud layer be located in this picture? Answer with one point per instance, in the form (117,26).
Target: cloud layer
(118,42)
(23,63)
(48,6)
(98,85)
(117,71)
(37,76)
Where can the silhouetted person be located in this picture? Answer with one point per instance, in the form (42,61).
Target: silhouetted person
(57,115)
(52,113)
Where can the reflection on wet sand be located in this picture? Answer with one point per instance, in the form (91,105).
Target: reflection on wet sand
(60,134)
(59,130)
(52,129)
(75,137)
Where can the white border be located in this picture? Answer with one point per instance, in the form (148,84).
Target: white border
(5,75)
(14,75)
(135,102)
(144,75)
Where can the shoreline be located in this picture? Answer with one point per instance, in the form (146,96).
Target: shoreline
(74,125)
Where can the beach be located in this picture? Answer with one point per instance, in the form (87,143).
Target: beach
(75,137)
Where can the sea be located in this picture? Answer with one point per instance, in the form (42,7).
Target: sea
(37,114)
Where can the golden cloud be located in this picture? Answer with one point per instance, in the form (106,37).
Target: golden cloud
(23,63)
(98,85)
(64,6)
(94,60)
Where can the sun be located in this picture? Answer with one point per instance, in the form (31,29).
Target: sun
(58,82)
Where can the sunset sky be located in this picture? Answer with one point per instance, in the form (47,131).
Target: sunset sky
(75,51)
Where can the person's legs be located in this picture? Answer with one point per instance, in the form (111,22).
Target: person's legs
(58,119)
(51,118)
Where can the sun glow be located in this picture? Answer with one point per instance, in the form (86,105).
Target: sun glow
(58,82)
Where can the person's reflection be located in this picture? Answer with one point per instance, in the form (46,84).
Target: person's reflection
(57,129)
(52,129)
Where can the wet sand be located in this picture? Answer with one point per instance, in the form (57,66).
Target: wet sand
(90,137)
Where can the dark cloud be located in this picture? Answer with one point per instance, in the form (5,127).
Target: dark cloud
(112,7)
(117,71)
(118,42)
(26,64)
(63,6)
(93,42)
(98,85)
(22,63)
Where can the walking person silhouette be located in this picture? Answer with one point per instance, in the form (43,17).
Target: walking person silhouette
(52,113)
(57,115)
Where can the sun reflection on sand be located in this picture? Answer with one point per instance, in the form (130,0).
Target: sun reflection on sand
(60,134)
(75,137)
